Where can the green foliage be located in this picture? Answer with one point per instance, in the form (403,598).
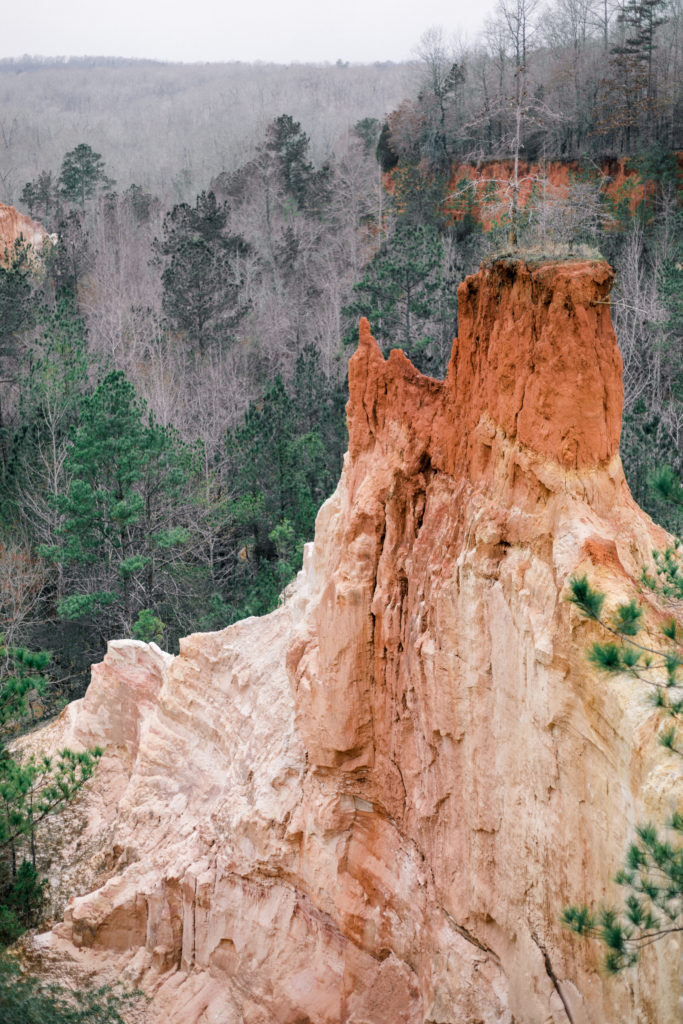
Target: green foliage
(216,613)
(668,580)
(148,627)
(82,174)
(68,261)
(419,197)
(653,871)
(21,678)
(408,298)
(55,377)
(287,145)
(670,629)
(77,606)
(651,427)
(653,907)
(667,738)
(148,540)
(27,895)
(126,517)
(281,464)
(34,789)
(644,443)
(27,1000)
(16,308)
(666,483)
(39,195)
(140,201)
(606,656)
(10,928)
(202,276)
(387,157)
(368,131)
(588,600)
(31,790)
(272,467)
(626,620)
(658,669)
(657,166)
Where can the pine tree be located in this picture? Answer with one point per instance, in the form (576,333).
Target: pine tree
(287,146)
(202,275)
(40,193)
(281,464)
(17,314)
(127,514)
(408,298)
(82,175)
(31,789)
(629,92)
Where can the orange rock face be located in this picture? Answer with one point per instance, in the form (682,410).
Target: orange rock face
(371,806)
(536,356)
(14,225)
(558,174)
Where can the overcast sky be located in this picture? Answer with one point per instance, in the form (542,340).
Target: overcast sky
(248,30)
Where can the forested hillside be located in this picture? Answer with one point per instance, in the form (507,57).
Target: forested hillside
(172,127)
(173,373)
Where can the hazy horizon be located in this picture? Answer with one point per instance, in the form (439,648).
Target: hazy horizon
(299,31)
(68,58)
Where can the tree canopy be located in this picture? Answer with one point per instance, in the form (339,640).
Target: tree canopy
(82,174)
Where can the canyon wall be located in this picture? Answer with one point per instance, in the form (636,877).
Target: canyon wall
(617,178)
(371,806)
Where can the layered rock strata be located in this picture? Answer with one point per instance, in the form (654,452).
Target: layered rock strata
(371,805)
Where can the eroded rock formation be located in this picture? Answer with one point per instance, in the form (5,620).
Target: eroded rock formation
(371,805)
(14,225)
(621,181)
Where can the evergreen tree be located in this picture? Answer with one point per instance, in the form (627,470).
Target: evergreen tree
(17,311)
(441,80)
(203,274)
(82,175)
(68,260)
(628,102)
(408,296)
(52,381)
(40,194)
(288,144)
(368,131)
(31,789)
(126,516)
(17,314)
(387,157)
(281,465)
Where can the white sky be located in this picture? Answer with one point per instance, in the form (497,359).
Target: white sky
(248,30)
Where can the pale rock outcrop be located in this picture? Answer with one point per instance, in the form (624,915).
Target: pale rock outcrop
(371,805)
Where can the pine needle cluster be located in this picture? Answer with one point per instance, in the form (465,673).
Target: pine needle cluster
(657,667)
(652,875)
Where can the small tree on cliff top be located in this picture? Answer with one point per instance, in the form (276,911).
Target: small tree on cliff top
(652,875)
